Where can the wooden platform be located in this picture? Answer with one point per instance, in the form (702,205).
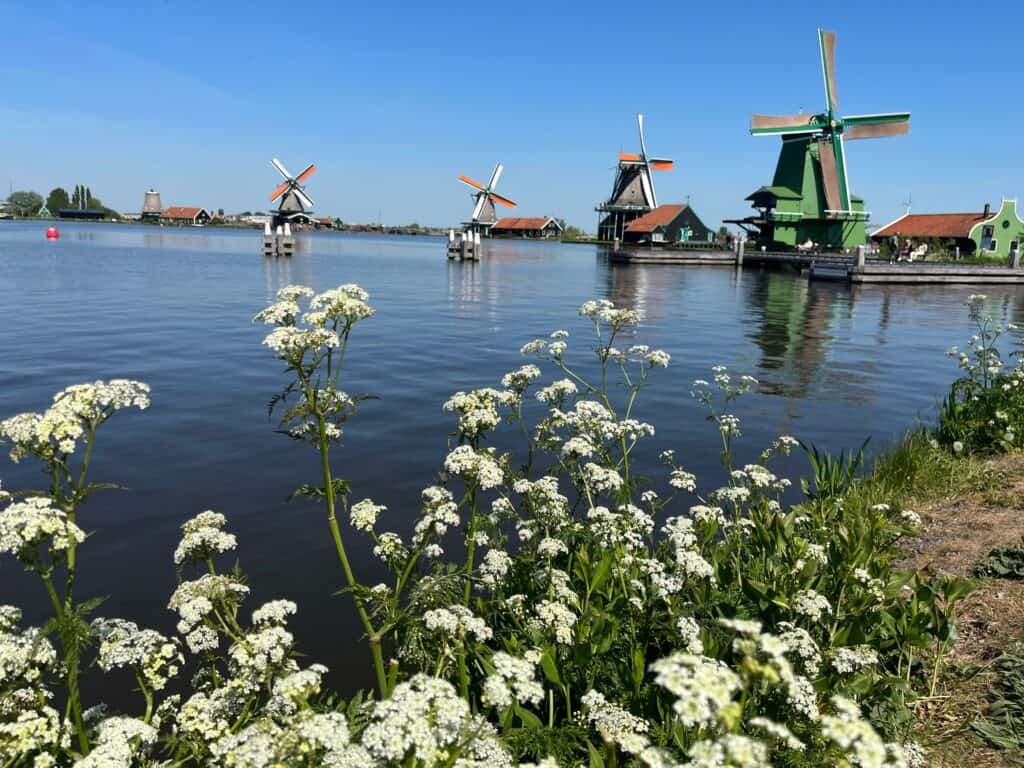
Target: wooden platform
(831,266)
(665,256)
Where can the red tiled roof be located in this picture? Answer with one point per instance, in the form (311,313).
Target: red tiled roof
(175,212)
(522,222)
(932,225)
(661,216)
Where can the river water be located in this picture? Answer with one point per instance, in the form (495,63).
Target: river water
(173,308)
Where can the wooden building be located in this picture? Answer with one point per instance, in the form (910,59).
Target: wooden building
(987,233)
(667,224)
(527,226)
(184,215)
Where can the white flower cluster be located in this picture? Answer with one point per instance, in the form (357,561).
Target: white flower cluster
(521,378)
(478,466)
(594,421)
(123,644)
(548,508)
(654,358)
(344,305)
(703,687)
(425,722)
(364,514)
(615,724)
(457,621)
(76,410)
(602,310)
(781,446)
(494,567)
(391,549)
(851,659)
(683,481)
(556,393)
(689,635)
(809,603)
(861,745)
(767,654)
(801,645)
(195,600)
(478,410)
(687,559)
(24,654)
(557,619)
(203,537)
(118,741)
(628,527)
(512,680)
(260,654)
(274,612)
(600,479)
(34,522)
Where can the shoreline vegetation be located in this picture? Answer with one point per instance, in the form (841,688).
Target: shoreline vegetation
(562,604)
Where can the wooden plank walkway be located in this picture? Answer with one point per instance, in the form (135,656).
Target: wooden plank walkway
(832,266)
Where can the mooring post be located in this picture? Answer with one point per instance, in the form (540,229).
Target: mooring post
(739,251)
(268,240)
(957,256)
(476,246)
(1015,258)
(860,256)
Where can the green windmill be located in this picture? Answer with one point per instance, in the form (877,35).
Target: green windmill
(809,200)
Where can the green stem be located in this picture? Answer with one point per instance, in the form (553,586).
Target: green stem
(339,545)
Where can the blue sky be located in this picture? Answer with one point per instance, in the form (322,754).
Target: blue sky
(394,100)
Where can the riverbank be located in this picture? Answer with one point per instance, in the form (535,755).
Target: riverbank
(982,512)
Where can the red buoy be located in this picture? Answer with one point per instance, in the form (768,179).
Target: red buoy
(52,233)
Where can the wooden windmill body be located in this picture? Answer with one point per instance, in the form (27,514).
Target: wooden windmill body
(484,214)
(633,192)
(809,200)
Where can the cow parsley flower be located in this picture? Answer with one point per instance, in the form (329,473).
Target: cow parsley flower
(473,465)
(683,481)
(420,722)
(703,687)
(557,619)
(457,621)
(809,603)
(195,600)
(124,644)
(850,659)
(512,680)
(34,522)
(494,567)
(203,537)
(557,392)
(601,479)
(615,724)
(274,612)
(364,514)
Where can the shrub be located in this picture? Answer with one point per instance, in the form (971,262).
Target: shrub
(588,609)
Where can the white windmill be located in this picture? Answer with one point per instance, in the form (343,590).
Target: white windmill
(484,215)
(292,193)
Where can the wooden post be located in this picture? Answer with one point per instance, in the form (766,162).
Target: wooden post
(1015,258)
(957,256)
(860,256)
(739,251)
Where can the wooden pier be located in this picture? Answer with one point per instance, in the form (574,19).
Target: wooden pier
(830,266)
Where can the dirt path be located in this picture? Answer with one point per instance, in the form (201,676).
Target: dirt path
(958,534)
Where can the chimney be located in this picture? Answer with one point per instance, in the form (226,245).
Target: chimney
(988,210)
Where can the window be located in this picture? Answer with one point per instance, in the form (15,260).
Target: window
(1006,224)
(987,232)
(993,245)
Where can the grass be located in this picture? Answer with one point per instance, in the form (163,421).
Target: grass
(972,507)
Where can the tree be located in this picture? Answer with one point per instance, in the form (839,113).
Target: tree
(57,199)
(25,203)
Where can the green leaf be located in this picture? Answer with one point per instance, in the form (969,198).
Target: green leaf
(550,667)
(596,761)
